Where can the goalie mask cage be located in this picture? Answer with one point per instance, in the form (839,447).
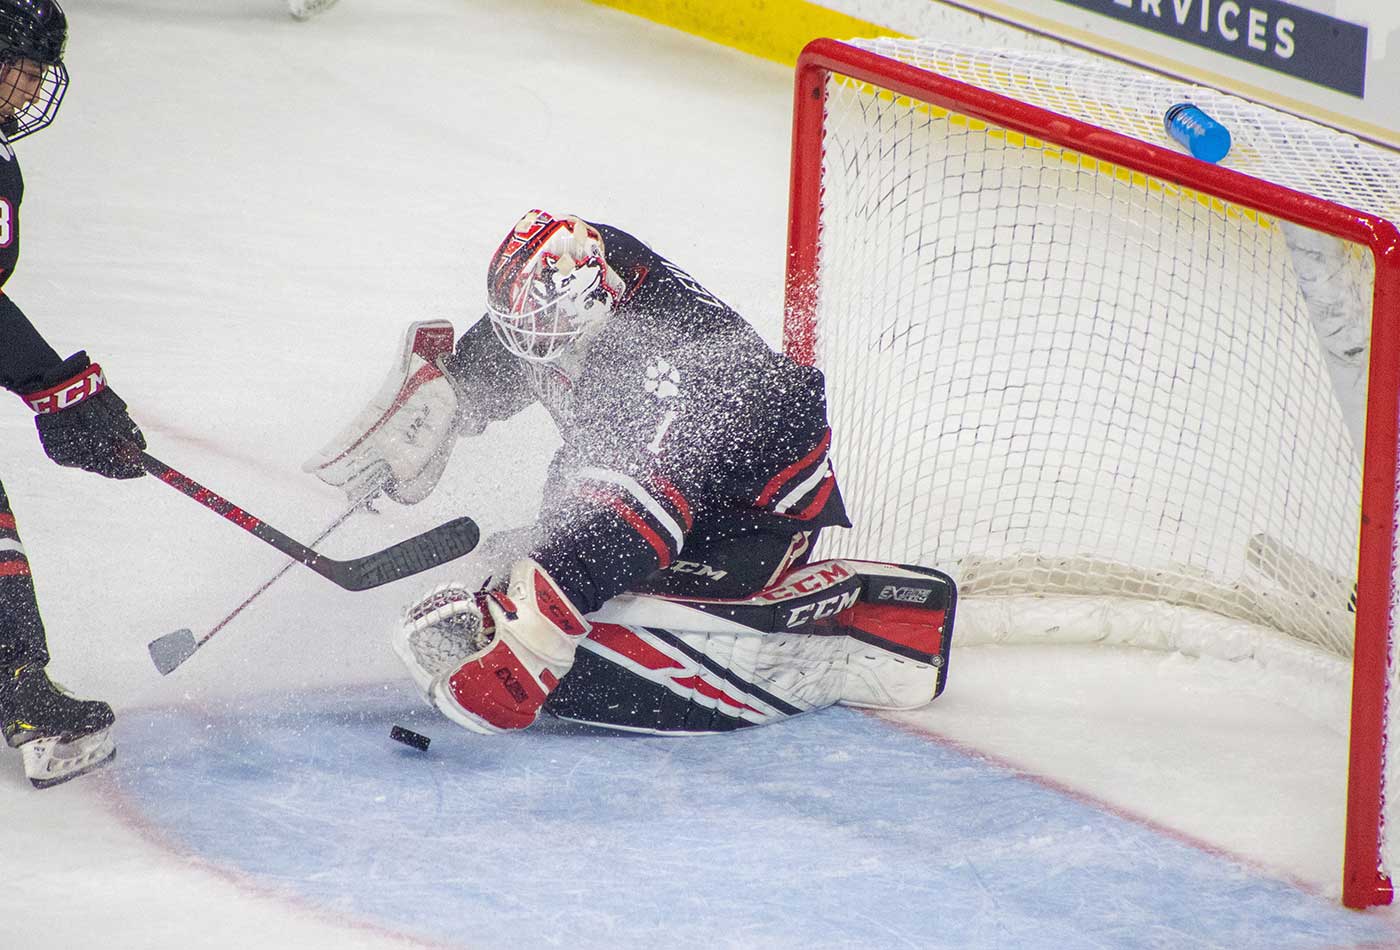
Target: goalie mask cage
(1065,359)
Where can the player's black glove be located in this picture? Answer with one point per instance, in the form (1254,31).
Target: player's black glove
(82,423)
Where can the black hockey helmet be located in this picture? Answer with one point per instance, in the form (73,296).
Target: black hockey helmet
(34,30)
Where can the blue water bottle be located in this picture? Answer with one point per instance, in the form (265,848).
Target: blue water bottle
(1203,137)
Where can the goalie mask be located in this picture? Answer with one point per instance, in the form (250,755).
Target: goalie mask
(32,75)
(548,285)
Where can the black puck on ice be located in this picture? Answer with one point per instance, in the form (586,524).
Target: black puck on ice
(409,737)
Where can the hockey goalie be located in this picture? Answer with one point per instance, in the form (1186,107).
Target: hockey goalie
(667,585)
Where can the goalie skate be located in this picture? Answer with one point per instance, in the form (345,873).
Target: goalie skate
(59,737)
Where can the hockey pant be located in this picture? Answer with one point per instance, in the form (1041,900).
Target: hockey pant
(854,632)
(22,640)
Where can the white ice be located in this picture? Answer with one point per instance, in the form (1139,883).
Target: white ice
(236,214)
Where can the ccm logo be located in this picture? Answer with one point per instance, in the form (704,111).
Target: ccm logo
(695,567)
(829,607)
(905,595)
(819,579)
(68,393)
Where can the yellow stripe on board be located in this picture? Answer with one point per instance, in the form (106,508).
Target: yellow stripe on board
(772,29)
(778,29)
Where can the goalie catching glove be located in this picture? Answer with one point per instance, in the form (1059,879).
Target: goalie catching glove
(488,660)
(402,440)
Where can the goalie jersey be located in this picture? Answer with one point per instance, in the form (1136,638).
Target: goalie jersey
(681,427)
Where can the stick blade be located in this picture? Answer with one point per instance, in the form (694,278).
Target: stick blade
(171,650)
(432,548)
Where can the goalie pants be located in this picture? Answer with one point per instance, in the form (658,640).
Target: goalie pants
(21,631)
(603,693)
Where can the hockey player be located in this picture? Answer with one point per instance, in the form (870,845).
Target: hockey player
(81,423)
(693,477)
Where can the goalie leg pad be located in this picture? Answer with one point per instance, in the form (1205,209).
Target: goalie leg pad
(901,636)
(646,679)
(850,632)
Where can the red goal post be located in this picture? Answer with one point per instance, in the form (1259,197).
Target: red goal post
(918,187)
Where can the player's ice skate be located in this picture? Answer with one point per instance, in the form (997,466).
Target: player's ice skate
(306,9)
(59,737)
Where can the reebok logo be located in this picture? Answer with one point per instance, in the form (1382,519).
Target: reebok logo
(905,595)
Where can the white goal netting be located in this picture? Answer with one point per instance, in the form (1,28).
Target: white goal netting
(1054,375)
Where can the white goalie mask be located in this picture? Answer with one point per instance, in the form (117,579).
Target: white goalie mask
(548,285)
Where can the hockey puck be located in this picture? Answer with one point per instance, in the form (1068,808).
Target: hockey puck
(409,737)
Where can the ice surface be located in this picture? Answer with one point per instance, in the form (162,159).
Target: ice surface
(833,831)
(237,214)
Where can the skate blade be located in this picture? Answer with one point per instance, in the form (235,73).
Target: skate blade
(49,761)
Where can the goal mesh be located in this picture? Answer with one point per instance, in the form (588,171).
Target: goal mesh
(1055,374)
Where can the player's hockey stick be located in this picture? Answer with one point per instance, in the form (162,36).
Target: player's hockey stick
(172,649)
(433,547)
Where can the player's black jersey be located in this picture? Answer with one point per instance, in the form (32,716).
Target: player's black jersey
(679,424)
(24,355)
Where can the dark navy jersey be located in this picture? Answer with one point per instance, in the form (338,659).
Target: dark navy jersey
(24,355)
(681,428)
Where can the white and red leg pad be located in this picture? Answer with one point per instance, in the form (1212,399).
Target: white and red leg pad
(856,632)
(901,633)
(689,682)
(504,685)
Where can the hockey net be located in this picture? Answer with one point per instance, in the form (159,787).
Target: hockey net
(1066,360)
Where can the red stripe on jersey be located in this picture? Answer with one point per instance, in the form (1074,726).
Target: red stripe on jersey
(18,568)
(633,520)
(7,521)
(637,524)
(713,692)
(624,642)
(674,496)
(783,477)
(819,502)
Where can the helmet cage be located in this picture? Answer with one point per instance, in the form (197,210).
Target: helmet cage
(36,31)
(39,112)
(551,310)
